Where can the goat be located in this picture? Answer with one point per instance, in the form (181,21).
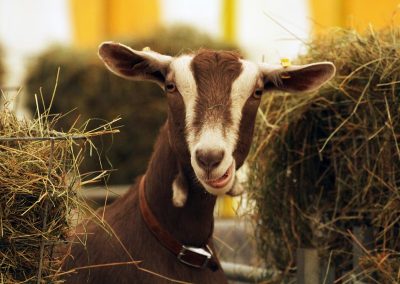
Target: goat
(213,97)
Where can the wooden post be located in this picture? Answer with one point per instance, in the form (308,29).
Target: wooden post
(311,269)
(365,240)
(308,266)
(229,20)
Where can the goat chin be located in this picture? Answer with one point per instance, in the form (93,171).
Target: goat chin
(180,191)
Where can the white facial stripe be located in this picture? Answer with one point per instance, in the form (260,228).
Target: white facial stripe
(186,85)
(242,88)
(211,136)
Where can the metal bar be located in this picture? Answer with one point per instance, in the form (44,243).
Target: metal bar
(74,137)
(10,88)
(246,273)
(97,194)
(65,137)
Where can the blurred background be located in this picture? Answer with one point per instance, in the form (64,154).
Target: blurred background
(38,38)
(263,29)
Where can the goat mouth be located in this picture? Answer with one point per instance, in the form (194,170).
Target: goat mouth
(223,180)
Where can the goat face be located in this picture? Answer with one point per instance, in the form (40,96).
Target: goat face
(213,100)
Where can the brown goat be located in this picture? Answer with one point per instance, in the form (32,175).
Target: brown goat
(213,99)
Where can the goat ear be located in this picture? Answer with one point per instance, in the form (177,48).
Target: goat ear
(297,78)
(134,65)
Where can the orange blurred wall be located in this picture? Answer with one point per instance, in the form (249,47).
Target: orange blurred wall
(97,20)
(357,14)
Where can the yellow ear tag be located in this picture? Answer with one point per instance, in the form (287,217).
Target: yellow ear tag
(146,48)
(285,62)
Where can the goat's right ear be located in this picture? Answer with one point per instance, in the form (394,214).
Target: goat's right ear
(134,65)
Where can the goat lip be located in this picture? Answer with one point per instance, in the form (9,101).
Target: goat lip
(223,180)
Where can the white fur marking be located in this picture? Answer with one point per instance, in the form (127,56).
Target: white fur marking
(179,194)
(187,87)
(242,89)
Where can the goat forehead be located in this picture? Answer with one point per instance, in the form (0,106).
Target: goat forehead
(214,73)
(210,73)
(214,87)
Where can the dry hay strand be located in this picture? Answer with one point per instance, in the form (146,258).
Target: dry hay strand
(328,161)
(39,177)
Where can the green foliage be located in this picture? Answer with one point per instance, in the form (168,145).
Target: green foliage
(86,85)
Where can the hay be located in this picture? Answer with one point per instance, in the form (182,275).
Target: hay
(38,181)
(328,161)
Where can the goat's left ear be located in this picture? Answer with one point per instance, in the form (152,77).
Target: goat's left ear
(297,78)
(134,65)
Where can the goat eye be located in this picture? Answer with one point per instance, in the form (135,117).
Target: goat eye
(258,93)
(170,87)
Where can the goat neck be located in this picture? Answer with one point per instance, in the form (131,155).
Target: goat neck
(191,224)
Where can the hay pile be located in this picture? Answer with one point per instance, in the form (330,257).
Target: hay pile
(329,161)
(38,181)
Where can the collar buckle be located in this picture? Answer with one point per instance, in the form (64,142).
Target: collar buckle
(194,256)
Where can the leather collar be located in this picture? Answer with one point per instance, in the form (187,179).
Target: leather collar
(197,257)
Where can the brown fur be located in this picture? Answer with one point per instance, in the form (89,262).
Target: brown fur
(214,73)
(246,130)
(192,225)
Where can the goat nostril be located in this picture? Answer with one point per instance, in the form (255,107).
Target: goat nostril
(217,158)
(209,159)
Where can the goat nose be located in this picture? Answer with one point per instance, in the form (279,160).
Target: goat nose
(209,159)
